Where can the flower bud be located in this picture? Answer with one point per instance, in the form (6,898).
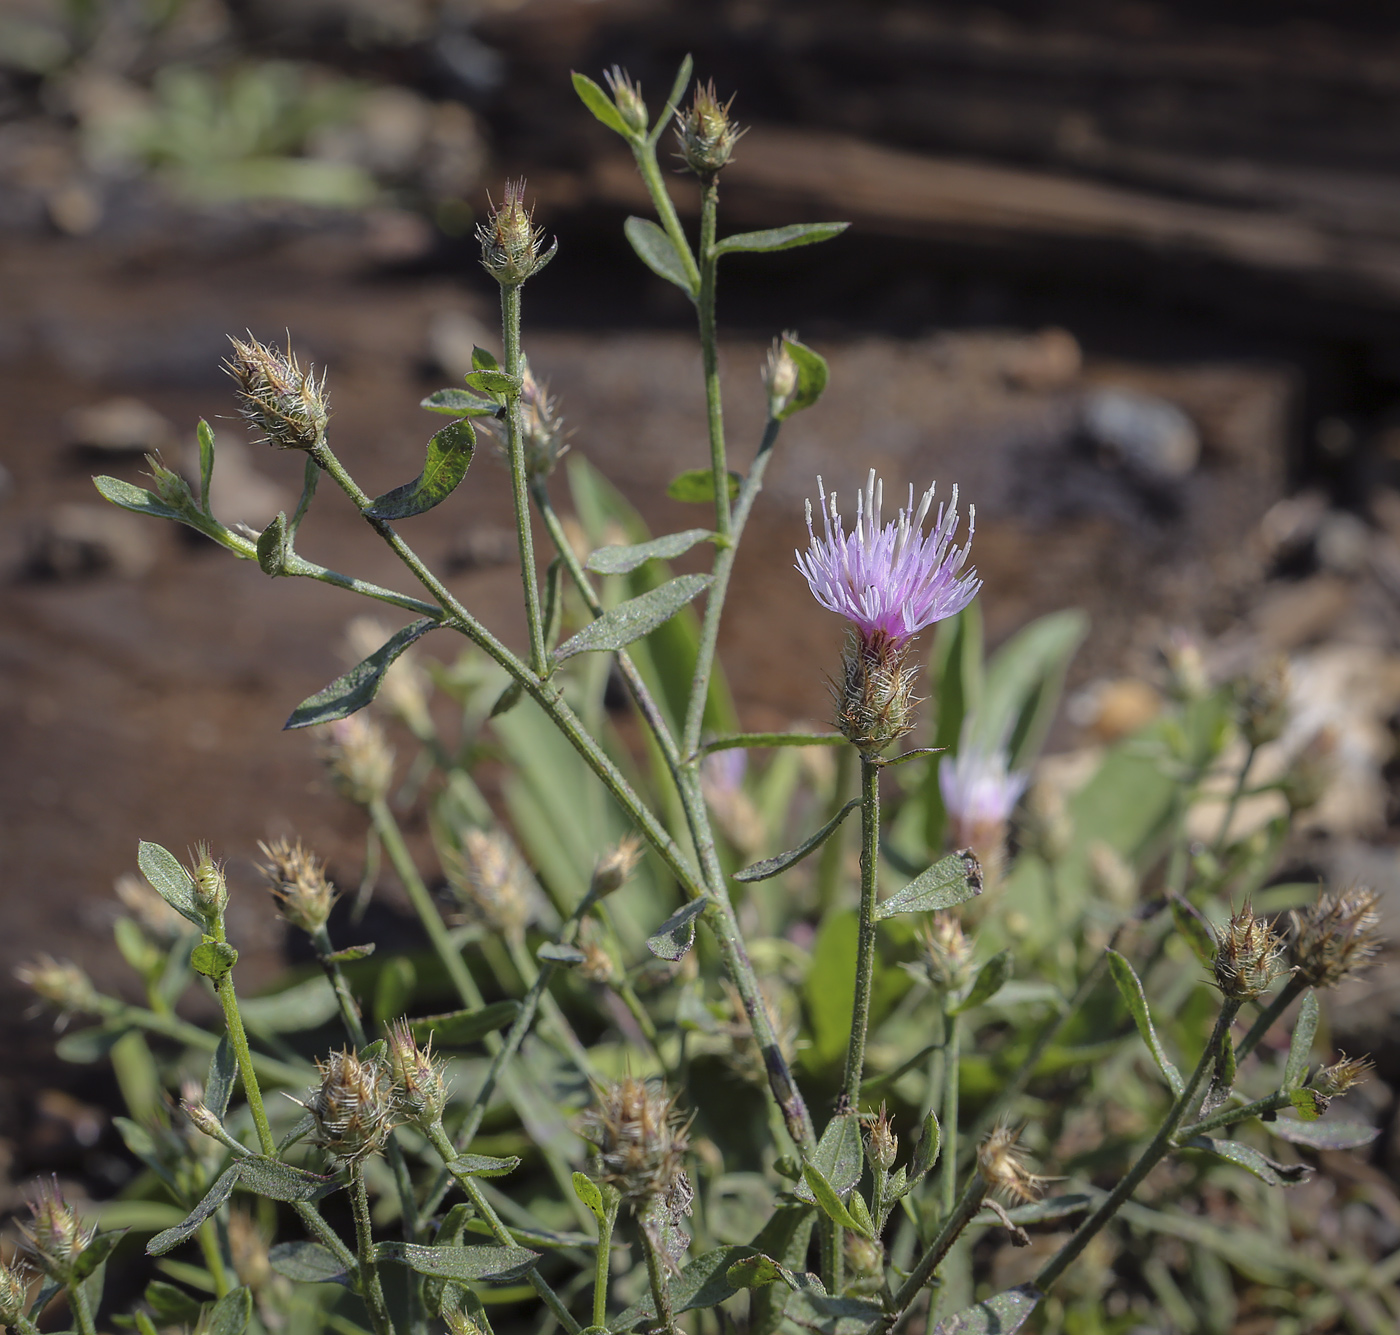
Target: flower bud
(287,406)
(1262,700)
(882,1141)
(947,953)
(1335,938)
(999,1163)
(597,966)
(1342,1075)
(14,1295)
(864,1256)
(1246,957)
(298,883)
(779,375)
(210,886)
(1308,778)
(352,1107)
(358,759)
(419,1091)
(875,700)
(169,485)
(706,134)
(62,984)
(616,866)
(510,242)
(640,1139)
(489,880)
(54,1237)
(627,98)
(203,1118)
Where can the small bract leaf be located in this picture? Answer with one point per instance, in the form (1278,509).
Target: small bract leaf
(621,560)
(629,621)
(676,935)
(591,1194)
(500,385)
(460,403)
(1300,1047)
(655,250)
(449,455)
(990,979)
(781,238)
(213,958)
(275,547)
(465,1263)
(1130,989)
(169,880)
(308,1262)
(757,1272)
(1307,1103)
(839,1157)
(557,952)
(950,881)
(697,485)
(812,375)
(459,1028)
(205,436)
(1245,1156)
(1002,1315)
(827,1200)
(600,104)
(925,1148)
(1339,1135)
(483,1165)
(761,871)
(97,1251)
(1194,929)
(356,688)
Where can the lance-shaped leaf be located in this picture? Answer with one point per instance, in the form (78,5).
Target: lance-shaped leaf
(829,1315)
(620,560)
(169,880)
(449,454)
(136,499)
(629,621)
(1245,1156)
(702,1283)
(600,104)
(483,1165)
(761,871)
(1002,1315)
(171,1306)
(676,935)
(204,434)
(230,1315)
(1300,1048)
(1339,1135)
(812,375)
(926,1147)
(468,1263)
(950,881)
(1130,989)
(781,238)
(558,952)
(458,1028)
(223,1070)
(1050,1209)
(281,1182)
(655,250)
(460,403)
(307,1262)
(213,1198)
(97,1251)
(353,691)
(991,978)
(829,1202)
(838,1157)
(698,484)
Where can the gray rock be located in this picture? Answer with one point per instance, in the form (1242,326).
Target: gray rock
(72,541)
(1149,435)
(118,426)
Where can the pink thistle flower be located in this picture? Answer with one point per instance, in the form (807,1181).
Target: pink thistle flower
(979,792)
(889,580)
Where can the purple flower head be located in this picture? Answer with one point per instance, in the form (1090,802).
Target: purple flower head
(889,580)
(979,792)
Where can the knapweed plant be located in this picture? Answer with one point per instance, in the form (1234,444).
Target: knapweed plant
(876,1071)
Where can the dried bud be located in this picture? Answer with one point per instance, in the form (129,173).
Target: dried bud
(999,1162)
(248,1248)
(351,1108)
(597,966)
(510,241)
(947,953)
(289,408)
(358,759)
(627,98)
(1335,938)
(54,1237)
(875,700)
(779,375)
(640,1137)
(1308,778)
(490,882)
(419,1092)
(14,1295)
(210,886)
(298,883)
(402,689)
(616,866)
(1246,957)
(62,984)
(882,1141)
(1342,1075)
(706,134)
(1262,699)
(203,1117)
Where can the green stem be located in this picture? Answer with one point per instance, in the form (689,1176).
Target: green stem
(709,350)
(1229,1116)
(370,1288)
(948,1168)
(645,153)
(1266,1018)
(660,1295)
(1150,1157)
(82,1309)
(515,444)
(330,1239)
(958,1218)
(604,1258)
(1233,805)
(865,948)
(238,1038)
(213,1257)
(753,739)
(530,974)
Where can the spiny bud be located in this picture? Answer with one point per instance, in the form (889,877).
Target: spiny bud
(706,134)
(947,952)
(616,866)
(489,880)
(999,1162)
(298,883)
(358,759)
(287,406)
(1262,699)
(510,241)
(61,983)
(1308,778)
(875,700)
(627,98)
(1335,938)
(54,1236)
(882,1141)
(779,375)
(1246,957)
(1342,1075)
(14,1295)
(640,1138)
(351,1108)
(419,1093)
(210,886)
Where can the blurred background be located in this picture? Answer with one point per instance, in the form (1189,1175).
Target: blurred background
(1129,273)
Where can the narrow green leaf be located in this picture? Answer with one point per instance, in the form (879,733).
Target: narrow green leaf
(136,499)
(306,1262)
(231,1314)
(205,435)
(697,485)
(393,989)
(676,935)
(629,621)
(655,250)
(827,1200)
(171,1306)
(82,1047)
(508,699)
(678,88)
(1130,989)
(925,1148)
(460,403)
(484,1165)
(620,560)
(556,952)
(1002,1315)
(860,1212)
(449,455)
(351,953)
(213,958)
(601,105)
(213,1198)
(169,880)
(991,978)
(829,1315)
(1051,1209)
(465,1263)
(97,1251)
(812,375)
(950,881)
(1300,1047)
(780,238)
(460,1028)
(839,1158)
(280,1181)
(1339,1135)
(1194,929)
(1245,1156)
(704,1282)
(591,1194)
(302,1006)
(356,688)
(761,871)
(223,1070)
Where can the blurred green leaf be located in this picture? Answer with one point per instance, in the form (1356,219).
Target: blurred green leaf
(464,1263)
(1246,1156)
(1295,1070)
(223,1071)
(304,1005)
(458,1029)
(393,989)
(829,991)
(306,1262)
(812,375)
(1002,1315)
(703,1282)
(484,1165)
(621,560)
(780,238)
(231,1314)
(676,935)
(1194,929)
(1130,989)
(991,977)
(171,1306)
(816,1311)
(1338,1135)
(204,435)
(697,486)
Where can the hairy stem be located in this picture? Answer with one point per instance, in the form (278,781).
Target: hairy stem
(865,948)
(82,1309)
(958,1218)
(709,350)
(370,1288)
(515,443)
(948,1168)
(645,153)
(1267,1018)
(660,1294)
(612,1201)
(238,1039)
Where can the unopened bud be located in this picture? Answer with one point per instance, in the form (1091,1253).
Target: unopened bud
(14,1295)
(865,1256)
(999,1162)
(419,1092)
(510,241)
(1247,956)
(640,1139)
(61,983)
(210,886)
(1342,1075)
(203,1118)
(875,701)
(298,883)
(287,406)
(1336,938)
(351,1108)
(882,1141)
(169,485)
(358,759)
(54,1237)
(947,953)
(1262,699)
(706,134)
(779,375)
(616,866)
(627,98)
(490,881)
